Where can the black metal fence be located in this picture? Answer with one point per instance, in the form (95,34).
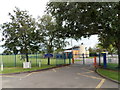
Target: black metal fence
(35,59)
(112,62)
(59,59)
(104,60)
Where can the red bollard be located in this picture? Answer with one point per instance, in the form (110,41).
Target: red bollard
(73,60)
(95,63)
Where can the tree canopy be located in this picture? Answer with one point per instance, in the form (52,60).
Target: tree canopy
(47,29)
(19,32)
(77,19)
(24,34)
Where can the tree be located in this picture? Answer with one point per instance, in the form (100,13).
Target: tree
(19,33)
(100,48)
(47,29)
(77,19)
(111,50)
(7,52)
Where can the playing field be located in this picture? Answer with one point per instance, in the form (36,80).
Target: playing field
(17,60)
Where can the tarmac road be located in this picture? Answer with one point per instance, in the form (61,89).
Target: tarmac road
(73,76)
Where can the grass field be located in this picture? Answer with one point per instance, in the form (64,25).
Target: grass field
(110,74)
(78,60)
(13,64)
(10,61)
(20,69)
(112,66)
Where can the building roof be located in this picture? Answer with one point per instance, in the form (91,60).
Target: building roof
(73,48)
(68,51)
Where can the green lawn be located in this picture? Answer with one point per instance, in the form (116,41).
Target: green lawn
(20,69)
(110,74)
(9,63)
(90,57)
(78,60)
(112,66)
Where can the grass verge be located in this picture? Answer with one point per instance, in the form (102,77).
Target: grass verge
(109,73)
(78,60)
(20,69)
(112,66)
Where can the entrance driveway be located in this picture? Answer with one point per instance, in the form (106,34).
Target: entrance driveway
(73,76)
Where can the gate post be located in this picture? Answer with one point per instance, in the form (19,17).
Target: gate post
(99,59)
(36,59)
(95,62)
(64,56)
(70,57)
(104,60)
(15,60)
(83,59)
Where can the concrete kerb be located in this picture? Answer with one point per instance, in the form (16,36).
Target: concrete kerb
(96,70)
(37,70)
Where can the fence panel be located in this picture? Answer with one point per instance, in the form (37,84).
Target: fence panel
(112,61)
(35,59)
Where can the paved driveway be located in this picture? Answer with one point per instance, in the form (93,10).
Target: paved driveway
(73,76)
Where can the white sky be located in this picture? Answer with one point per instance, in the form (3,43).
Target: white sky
(35,8)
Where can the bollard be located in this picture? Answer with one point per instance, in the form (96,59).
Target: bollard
(73,60)
(104,59)
(83,59)
(95,63)
(99,60)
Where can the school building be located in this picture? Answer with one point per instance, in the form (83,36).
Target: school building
(78,51)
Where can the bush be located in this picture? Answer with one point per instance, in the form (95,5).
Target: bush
(93,54)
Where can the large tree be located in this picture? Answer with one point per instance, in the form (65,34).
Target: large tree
(76,19)
(47,29)
(19,33)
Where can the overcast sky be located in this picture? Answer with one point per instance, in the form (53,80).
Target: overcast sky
(35,8)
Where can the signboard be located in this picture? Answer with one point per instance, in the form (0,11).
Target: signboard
(58,56)
(48,55)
